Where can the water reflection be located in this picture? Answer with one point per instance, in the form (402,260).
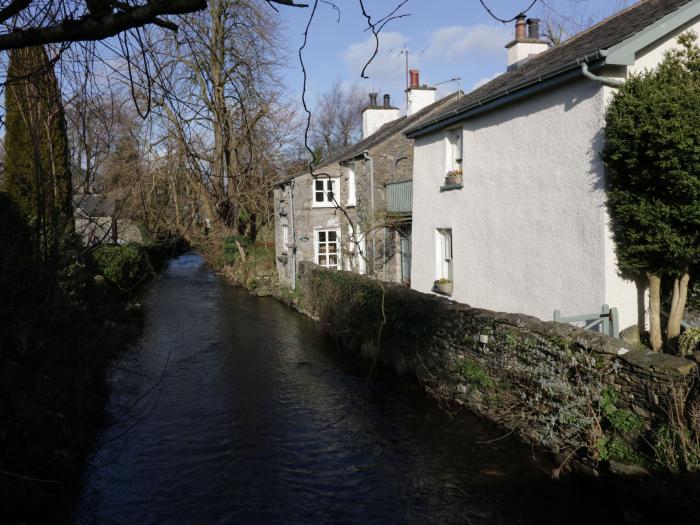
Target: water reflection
(236,409)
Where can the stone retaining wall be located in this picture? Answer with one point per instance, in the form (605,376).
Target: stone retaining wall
(577,393)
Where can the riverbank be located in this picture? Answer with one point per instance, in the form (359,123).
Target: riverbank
(593,402)
(52,375)
(236,409)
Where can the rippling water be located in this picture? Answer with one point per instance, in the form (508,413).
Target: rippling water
(234,409)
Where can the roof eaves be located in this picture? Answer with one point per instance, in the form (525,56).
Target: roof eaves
(505,96)
(624,53)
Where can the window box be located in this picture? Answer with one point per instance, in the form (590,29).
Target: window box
(443,287)
(453,178)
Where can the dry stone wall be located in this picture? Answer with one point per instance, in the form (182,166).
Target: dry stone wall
(577,393)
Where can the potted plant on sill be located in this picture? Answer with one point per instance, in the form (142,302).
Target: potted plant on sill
(453,177)
(443,286)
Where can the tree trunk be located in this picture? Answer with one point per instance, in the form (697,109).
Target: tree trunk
(655,312)
(641,285)
(675,316)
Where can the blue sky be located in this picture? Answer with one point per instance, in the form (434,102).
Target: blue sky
(445,38)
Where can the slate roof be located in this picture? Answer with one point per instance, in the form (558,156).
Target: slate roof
(582,47)
(391,128)
(385,132)
(94,204)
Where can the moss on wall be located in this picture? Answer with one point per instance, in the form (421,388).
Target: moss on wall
(577,393)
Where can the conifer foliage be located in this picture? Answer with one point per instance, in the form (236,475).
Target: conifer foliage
(652,153)
(37,172)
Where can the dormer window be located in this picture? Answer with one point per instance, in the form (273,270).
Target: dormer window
(325,193)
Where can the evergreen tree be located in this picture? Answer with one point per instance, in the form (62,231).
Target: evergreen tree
(652,151)
(37,172)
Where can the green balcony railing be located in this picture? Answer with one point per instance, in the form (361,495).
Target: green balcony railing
(399,197)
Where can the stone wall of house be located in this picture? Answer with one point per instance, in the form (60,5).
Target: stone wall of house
(577,393)
(385,261)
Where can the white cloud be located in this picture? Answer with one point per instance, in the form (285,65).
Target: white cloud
(388,68)
(478,41)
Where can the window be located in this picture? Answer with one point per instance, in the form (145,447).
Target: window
(454,149)
(327,247)
(285,236)
(352,199)
(325,191)
(444,254)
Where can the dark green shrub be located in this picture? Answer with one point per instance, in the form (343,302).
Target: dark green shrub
(230,248)
(125,266)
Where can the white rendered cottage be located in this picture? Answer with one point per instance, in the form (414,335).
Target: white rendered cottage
(521,225)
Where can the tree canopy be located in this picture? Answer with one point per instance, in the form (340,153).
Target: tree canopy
(652,153)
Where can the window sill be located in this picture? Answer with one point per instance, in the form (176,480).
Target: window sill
(450,187)
(323,205)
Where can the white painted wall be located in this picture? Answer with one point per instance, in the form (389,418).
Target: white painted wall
(529,227)
(651,56)
(375,118)
(522,51)
(419,98)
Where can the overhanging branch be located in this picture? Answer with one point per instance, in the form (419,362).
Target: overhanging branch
(98,27)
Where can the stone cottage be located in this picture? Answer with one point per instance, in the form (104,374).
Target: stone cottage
(337,216)
(97,221)
(523,226)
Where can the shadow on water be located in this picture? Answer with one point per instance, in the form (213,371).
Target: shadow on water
(234,409)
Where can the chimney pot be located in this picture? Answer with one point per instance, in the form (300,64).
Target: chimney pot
(373,100)
(520,28)
(533,28)
(387,102)
(415,78)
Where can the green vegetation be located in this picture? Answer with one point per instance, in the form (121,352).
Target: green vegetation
(652,134)
(622,428)
(689,342)
(232,246)
(475,374)
(37,173)
(124,266)
(678,448)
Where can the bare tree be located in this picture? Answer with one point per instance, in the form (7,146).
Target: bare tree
(570,17)
(338,118)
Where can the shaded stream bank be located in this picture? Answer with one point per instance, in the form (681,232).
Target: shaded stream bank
(234,409)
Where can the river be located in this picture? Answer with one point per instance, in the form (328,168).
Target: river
(236,409)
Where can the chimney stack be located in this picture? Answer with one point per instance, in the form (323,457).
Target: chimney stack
(417,96)
(375,116)
(415,78)
(527,42)
(520,33)
(533,28)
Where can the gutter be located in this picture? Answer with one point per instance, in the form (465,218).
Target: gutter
(565,73)
(606,81)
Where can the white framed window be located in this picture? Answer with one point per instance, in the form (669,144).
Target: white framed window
(325,192)
(443,254)
(352,198)
(327,248)
(454,149)
(285,236)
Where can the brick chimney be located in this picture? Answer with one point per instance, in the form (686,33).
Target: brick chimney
(417,96)
(375,116)
(527,42)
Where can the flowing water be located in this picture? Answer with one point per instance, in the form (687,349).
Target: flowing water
(236,409)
